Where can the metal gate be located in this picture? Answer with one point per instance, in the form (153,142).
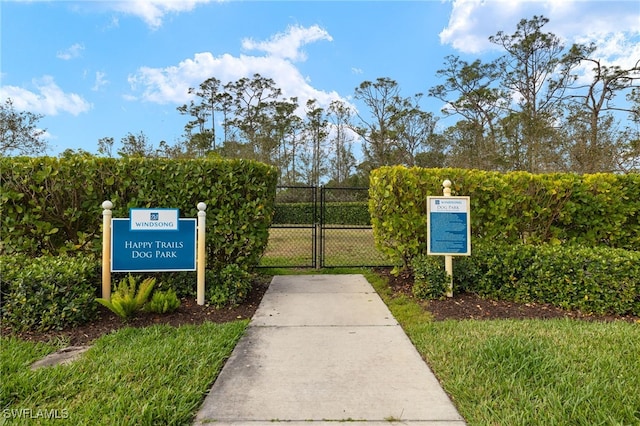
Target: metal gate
(320,227)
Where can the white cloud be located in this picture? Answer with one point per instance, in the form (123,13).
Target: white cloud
(472,22)
(49,100)
(171,84)
(100,82)
(152,12)
(288,45)
(72,52)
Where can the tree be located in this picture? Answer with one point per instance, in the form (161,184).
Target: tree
(379,135)
(201,131)
(414,129)
(105,146)
(533,71)
(136,146)
(316,131)
(594,146)
(435,156)
(343,162)
(253,109)
(19,132)
(287,130)
(471,90)
(629,157)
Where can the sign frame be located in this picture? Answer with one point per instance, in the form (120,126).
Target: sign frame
(147,238)
(449,225)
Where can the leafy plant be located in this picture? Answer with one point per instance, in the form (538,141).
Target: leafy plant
(52,205)
(588,210)
(591,279)
(430,278)
(229,286)
(337,213)
(129,297)
(46,293)
(163,302)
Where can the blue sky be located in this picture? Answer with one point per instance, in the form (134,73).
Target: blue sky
(98,69)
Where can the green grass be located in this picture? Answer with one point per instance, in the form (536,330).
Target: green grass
(503,372)
(529,372)
(343,247)
(147,376)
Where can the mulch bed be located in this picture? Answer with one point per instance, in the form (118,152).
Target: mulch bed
(470,306)
(460,307)
(189,312)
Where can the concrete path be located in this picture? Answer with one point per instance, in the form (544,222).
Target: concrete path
(323,349)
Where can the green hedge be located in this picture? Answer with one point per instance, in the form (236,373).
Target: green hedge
(589,210)
(335,213)
(53,205)
(600,280)
(46,293)
(59,292)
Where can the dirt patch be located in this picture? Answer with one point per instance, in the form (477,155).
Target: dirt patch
(460,307)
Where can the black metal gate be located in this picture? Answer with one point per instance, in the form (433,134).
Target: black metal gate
(317,227)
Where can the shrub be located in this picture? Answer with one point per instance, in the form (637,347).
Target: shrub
(129,297)
(229,286)
(163,302)
(591,279)
(431,281)
(53,205)
(516,207)
(335,213)
(48,293)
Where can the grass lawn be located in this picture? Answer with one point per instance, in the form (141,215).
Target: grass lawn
(529,372)
(157,375)
(342,247)
(499,372)
(537,372)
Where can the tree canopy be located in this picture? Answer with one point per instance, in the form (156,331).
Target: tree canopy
(533,108)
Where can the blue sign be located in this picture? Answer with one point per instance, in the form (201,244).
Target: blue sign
(449,231)
(153,250)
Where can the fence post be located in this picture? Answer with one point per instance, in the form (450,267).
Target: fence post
(106,249)
(448,259)
(201,252)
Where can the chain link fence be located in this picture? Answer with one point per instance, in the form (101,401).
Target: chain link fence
(321,227)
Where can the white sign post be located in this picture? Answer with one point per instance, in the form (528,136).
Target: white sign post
(449,229)
(201,256)
(106,249)
(153,240)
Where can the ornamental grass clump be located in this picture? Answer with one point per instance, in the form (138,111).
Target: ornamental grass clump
(129,297)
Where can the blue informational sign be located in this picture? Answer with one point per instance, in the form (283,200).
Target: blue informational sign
(449,229)
(153,250)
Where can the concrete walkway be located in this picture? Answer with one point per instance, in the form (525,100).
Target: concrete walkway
(323,349)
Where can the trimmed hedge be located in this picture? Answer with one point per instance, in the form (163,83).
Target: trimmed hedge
(431,280)
(52,206)
(48,293)
(335,213)
(51,211)
(589,210)
(600,280)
